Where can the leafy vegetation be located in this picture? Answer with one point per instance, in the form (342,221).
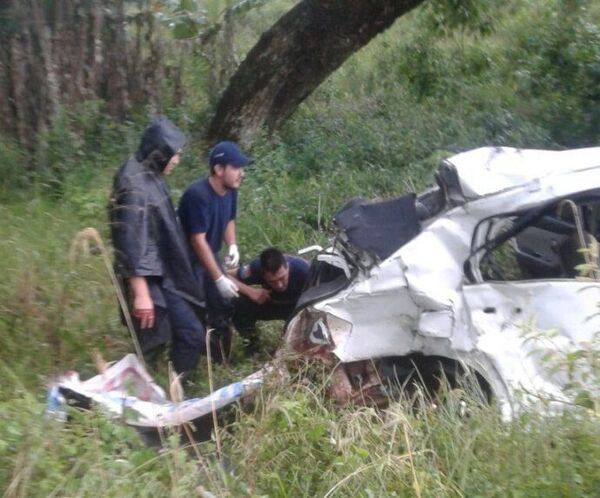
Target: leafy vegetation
(441,80)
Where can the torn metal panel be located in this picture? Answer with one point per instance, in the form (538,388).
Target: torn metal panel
(569,307)
(380,312)
(434,260)
(438,324)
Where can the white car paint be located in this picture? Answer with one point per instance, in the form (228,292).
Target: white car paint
(418,299)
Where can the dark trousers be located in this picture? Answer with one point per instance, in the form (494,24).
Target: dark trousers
(188,335)
(247,313)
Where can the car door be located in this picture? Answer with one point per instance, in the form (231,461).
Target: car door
(534,295)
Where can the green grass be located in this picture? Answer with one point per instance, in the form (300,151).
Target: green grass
(294,443)
(376,128)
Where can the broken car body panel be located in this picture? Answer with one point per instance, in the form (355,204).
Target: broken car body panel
(441,293)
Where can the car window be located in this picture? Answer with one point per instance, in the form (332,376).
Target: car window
(558,241)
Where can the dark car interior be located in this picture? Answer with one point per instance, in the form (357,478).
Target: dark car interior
(376,229)
(379,228)
(557,240)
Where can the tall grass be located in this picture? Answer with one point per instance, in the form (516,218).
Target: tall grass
(376,128)
(294,443)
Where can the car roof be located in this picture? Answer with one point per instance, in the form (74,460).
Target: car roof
(489,170)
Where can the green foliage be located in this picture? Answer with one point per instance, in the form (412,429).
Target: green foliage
(418,90)
(294,443)
(13,169)
(192,18)
(557,72)
(82,142)
(450,76)
(185,18)
(91,456)
(475,16)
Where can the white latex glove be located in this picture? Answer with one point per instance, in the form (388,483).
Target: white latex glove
(234,254)
(226,287)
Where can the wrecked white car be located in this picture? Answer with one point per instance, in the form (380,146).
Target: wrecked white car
(490,272)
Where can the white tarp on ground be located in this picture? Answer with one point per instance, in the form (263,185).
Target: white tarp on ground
(127,391)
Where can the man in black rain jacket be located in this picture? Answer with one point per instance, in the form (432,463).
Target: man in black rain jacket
(151,252)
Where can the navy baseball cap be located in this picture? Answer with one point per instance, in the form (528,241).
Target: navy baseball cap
(228,153)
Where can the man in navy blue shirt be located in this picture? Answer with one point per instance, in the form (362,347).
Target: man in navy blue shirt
(269,288)
(207,212)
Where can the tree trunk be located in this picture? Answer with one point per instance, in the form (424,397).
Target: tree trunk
(294,57)
(80,35)
(19,98)
(117,50)
(49,81)
(6,121)
(95,46)
(60,53)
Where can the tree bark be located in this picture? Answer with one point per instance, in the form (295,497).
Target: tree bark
(49,84)
(117,49)
(6,121)
(19,98)
(294,57)
(80,35)
(60,53)
(95,46)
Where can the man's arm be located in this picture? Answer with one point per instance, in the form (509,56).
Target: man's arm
(229,234)
(225,286)
(205,255)
(229,238)
(257,294)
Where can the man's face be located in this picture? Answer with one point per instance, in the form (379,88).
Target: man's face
(278,280)
(232,176)
(171,164)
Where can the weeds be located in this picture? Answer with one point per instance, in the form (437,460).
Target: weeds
(376,128)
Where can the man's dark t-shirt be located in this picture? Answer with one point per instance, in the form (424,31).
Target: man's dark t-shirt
(202,210)
(251,274)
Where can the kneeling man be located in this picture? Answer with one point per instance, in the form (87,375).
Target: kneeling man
(269,288)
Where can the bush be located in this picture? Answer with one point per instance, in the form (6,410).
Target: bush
(14,173)
(376,128)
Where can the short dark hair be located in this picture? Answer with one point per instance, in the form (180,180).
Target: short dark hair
(271,259)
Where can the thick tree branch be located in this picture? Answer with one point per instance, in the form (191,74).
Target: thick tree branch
(294,57)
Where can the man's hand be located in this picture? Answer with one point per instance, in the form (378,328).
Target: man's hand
(142,304)
(226,287)
(234,254)
(143,310)
(258,295)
